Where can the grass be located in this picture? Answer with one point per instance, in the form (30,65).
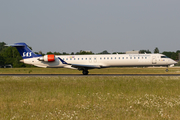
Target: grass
(84,98)
(131,70)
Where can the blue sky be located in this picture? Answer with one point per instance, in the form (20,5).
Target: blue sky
(96,25)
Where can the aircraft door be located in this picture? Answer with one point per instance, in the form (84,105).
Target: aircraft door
(154,60)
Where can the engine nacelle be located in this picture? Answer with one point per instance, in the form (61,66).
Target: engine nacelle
(47,58)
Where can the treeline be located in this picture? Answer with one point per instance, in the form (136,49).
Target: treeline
(172,55)
(10,55)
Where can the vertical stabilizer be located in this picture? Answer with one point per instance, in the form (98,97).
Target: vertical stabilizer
(24,50)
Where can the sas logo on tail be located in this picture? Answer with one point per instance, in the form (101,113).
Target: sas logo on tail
(27,54)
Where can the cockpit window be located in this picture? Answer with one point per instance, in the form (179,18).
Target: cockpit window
(164,57)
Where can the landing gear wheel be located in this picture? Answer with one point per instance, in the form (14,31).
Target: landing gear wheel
(85,72)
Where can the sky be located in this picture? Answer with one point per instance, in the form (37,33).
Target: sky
(96,25)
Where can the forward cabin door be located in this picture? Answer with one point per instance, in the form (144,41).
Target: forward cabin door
(154,60)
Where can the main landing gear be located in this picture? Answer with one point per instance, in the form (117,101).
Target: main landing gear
(85,72)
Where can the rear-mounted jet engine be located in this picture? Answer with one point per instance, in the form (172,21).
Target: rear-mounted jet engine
(47,58)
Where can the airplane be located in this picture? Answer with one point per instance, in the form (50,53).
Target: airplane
(86,62)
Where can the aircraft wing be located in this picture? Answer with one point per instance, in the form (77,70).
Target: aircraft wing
(80,65)
(86,66)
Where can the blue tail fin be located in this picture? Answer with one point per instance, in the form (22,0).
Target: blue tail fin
(24,50)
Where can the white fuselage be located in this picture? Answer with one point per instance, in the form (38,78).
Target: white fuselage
(105,60)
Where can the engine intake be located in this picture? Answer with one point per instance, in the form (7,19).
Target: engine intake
(47,58)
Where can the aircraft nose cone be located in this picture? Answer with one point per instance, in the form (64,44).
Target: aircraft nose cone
(173,62)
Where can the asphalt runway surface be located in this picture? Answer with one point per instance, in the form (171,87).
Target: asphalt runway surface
(80,75)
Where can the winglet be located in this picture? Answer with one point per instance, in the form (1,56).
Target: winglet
(63,62)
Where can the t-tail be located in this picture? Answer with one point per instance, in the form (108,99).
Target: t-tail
(24,50)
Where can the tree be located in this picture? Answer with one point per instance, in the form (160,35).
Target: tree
(156,50)
(57,53)
(2,46)
(118,53)
(64,53)
(178,54)
(144,51)
(84,52)
(12,56)
(171,55)
(49,53)
(174,56)
(168,54)
(1,60)
(104,52)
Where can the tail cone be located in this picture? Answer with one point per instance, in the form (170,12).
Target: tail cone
(22,60)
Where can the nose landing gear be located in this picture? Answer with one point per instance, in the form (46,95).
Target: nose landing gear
(167,69)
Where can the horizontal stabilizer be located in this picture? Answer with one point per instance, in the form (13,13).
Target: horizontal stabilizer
(17,45)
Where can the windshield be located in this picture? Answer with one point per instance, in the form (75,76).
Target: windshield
(164,57)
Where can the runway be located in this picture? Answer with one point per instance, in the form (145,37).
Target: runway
(80,75)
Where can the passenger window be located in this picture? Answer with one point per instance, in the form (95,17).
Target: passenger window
(66,58)
(78,58)
(74,58)
(130,57)
(134,57)
(104,58)
(115,58)
(111,58)
(126,57)
(119,58)
(86,58)
(122,57)
(82,58)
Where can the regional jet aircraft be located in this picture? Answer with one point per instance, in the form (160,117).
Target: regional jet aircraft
(86,62)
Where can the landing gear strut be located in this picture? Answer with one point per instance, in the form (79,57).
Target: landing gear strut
(85,72)
(167,69)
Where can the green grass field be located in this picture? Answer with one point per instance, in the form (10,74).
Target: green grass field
(84,98)
(160,70)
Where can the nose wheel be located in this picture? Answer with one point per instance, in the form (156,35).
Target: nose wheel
(85,72)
